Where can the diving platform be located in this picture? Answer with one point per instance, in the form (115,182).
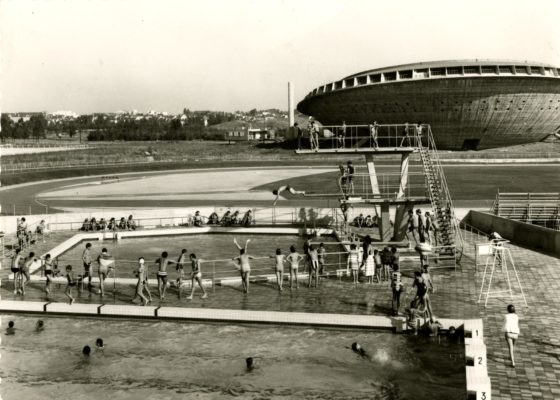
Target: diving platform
(361,150)
(403,190)
(390,201)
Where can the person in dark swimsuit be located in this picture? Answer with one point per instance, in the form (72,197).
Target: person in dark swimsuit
(71,283)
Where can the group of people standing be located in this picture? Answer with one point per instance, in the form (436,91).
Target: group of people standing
(408,133)
(422,227)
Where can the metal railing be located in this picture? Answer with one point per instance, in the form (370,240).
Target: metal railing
(363,136)
(389,184)
(443,202)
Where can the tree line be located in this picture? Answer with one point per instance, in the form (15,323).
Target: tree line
(101,127)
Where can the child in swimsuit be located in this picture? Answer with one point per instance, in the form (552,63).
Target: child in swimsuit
(48,271)
(294,258)
(196,276)
(245,267)
(353,262)
(279,268)
(105,266)
(71,283)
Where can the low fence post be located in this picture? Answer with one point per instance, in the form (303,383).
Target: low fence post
(213,277)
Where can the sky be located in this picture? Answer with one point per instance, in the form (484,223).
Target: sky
(104,56)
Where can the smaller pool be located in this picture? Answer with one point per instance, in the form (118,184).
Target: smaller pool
(206,246)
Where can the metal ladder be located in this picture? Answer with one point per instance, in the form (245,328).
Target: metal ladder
(442,207)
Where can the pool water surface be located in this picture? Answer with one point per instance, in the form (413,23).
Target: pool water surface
(172,360)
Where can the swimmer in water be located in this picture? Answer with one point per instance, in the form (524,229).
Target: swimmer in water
(39,326)
(245,267)
(99,346)
(11,330)
(249,363)
(86,351)
(356,348)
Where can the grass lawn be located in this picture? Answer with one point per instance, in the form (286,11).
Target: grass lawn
(466,182)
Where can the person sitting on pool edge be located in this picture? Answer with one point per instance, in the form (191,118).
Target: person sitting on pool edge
(213,219)
(197,219)
(130,223)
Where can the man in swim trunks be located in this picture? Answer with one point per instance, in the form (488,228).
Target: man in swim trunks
(88,269)
(16,261)
(244,266)
(196,276)
(140,273)
(162,263)
(106,265)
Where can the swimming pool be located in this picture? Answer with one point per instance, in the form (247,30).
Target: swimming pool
(168,360)
(206,246)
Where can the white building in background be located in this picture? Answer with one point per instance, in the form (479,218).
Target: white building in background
(65,114)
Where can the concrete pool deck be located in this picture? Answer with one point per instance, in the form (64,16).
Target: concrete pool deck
(537,375)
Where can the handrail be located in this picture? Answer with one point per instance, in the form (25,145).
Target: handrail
(352,136)
(444,189)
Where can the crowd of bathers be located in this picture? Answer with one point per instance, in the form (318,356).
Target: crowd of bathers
(111,224)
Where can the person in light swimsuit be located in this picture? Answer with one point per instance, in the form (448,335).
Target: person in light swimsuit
(279,267)
(141,275)
(294,259)
(511,330)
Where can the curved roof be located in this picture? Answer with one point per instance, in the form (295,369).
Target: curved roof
(454,63)
(441,69)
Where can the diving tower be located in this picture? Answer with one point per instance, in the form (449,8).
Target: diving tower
(422,184)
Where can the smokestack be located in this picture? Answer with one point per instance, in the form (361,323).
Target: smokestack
(291,103)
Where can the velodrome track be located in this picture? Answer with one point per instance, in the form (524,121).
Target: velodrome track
(236,186)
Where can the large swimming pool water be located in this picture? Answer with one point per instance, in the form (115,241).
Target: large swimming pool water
(171,360)
(206,247)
